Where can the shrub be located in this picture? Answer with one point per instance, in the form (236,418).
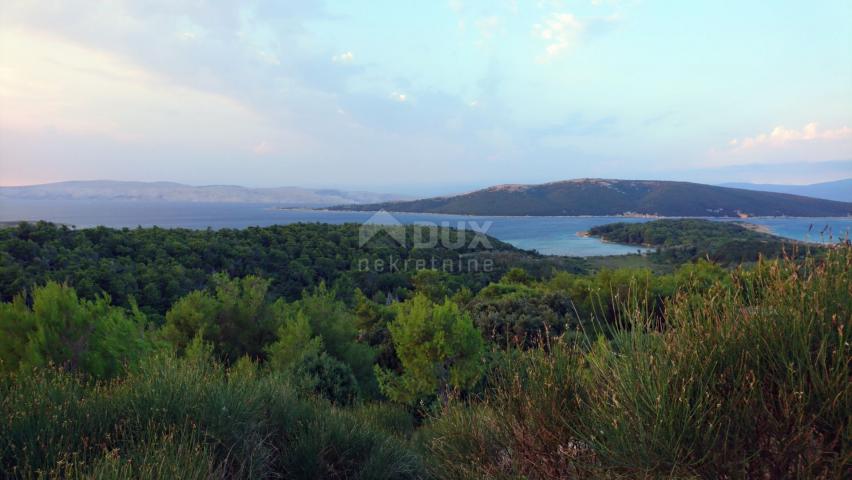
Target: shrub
(318,337)
(192,416)
(746,378)
(236,318)
(438,347)
(326,376)
(92,337)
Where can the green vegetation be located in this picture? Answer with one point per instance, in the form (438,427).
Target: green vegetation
(235,319)
(439,350)
(746,379)
(689,239)
(59,329)
(155,266)
(541,372)
(193,418)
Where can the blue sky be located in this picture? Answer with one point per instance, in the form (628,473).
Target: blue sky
(424,97)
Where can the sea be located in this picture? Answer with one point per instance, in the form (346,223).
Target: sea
(547,235)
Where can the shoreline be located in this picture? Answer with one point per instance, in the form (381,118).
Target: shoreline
(621,215)
(759,228)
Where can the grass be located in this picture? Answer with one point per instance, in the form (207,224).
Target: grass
(195,418)
(750,379)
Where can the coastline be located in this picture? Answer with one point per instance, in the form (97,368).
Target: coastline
(758,228)
(620,215)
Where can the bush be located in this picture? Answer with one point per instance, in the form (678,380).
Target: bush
(326,376)
(439,350)
(92,337)
(318,337)
(192,416)
(749,378)
(236,319)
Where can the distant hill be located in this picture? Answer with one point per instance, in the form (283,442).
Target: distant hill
(840,190)
(618,197)
(176,192)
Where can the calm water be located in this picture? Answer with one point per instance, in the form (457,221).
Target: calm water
(548,235)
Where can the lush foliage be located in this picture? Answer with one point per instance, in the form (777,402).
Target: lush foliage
(318,339)
(235,318)
(438,347)
(155,267)
(537,372)
(89,336)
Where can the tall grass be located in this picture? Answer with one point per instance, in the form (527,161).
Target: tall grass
(191,418)
(750,378)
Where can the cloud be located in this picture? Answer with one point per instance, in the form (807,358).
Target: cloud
(262,148)
(345,57)
(560,31)
(110,98)
(784,145)
(781,136)
(399,97)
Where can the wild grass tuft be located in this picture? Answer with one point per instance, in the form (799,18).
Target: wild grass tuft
(747,379)
(192,416)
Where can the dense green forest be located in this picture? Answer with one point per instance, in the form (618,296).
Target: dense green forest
(681,240)
(154,266)
(266,353)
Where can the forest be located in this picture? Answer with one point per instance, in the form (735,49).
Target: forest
(683,240)
(266,353)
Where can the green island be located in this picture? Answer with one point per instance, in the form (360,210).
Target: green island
(284,352)
(679,240)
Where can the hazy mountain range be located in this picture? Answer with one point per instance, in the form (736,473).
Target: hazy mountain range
(176,192)
(840,190)
(618,197)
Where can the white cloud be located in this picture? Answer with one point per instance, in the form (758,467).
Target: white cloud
(345,57)
(781,136)
(781,145)
(560,32)
(262,148)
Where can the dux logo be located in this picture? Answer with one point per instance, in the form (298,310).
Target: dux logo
(381,221)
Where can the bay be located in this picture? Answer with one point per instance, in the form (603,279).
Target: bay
(548,235)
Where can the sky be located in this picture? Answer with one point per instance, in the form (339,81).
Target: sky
(424,97)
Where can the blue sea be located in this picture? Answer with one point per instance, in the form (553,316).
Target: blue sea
(548,235)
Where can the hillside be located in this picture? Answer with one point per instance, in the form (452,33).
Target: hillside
(839,190)
(177,192)
(618,197)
